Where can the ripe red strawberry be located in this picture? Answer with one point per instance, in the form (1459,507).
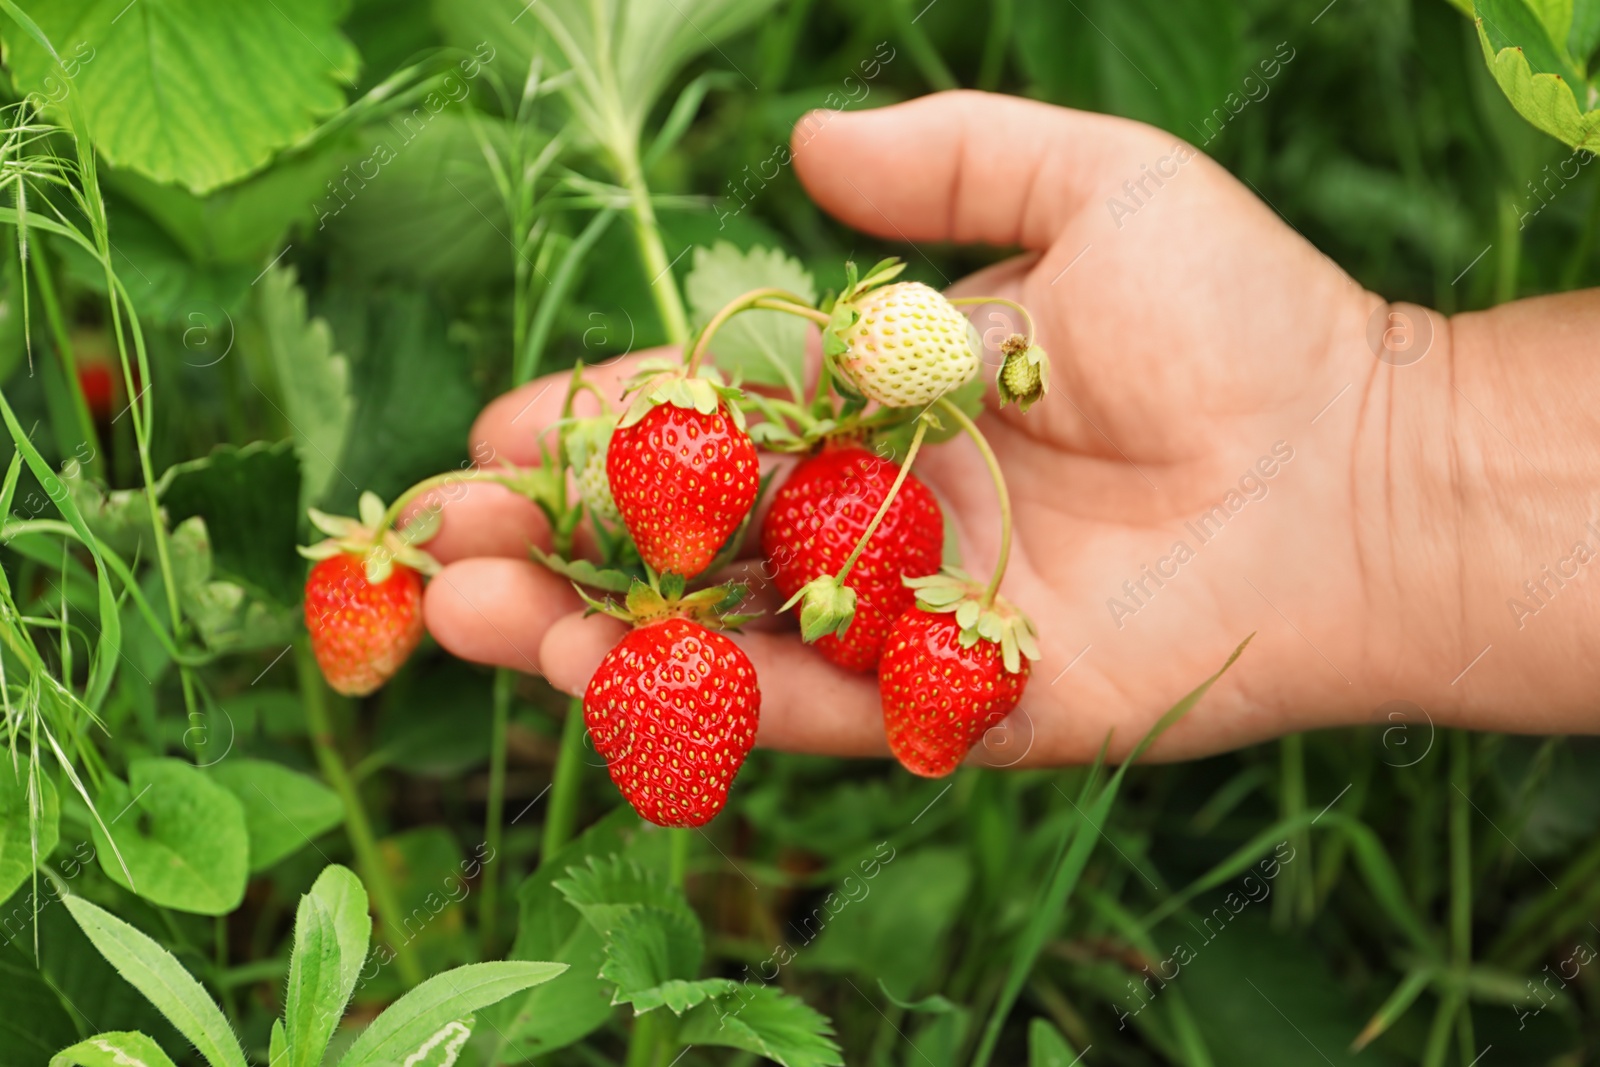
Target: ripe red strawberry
(673,710)
(361,631)
(683,481)
(816,519)
(939,697)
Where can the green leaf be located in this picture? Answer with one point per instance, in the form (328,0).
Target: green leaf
(1046,1046)
(421,1014)
(225,614)
(414,395)
(770,1023)
(194,92)
(248,498)
(19,823)
(343,897)
(182,836)
(284,810)
(765,347)
(892,927)
(606,889)
(584,572)
(236,229)
(434,215)
(313,1005)
(113,1050)
(1536,74)
(552,1016)
(313,380)
(652,955)
(153,971)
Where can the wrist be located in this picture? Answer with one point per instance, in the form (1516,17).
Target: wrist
(1481,521)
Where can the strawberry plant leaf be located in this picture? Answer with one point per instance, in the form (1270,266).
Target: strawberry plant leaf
(554,1015)
(18,824)
(113,1050)
(437,1004)
(414,401)
(585,573)
(649,948)
(432,217)
(181,834)
(153,971)
(764,347)
(761,1019)
(313,379)
(226,615)
(247,497)
(174,88)
(1528,57)
(606,889)
(284,810)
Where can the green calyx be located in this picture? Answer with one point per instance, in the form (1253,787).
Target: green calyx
(662,381)
(953,590)
(828,607)
(844,314)
(647,603)
(1025,375)
(379,552)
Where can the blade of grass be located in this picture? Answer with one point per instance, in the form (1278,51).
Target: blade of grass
(1047,914)
(1404,995)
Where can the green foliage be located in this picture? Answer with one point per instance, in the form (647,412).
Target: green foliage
(30,816)
(167,93)
(182,837)
(761,347)
(283,810)
(313,380)
(153,971)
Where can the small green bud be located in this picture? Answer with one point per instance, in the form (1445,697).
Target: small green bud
(1025,375)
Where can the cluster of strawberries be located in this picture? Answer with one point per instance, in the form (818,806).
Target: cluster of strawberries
(852,537)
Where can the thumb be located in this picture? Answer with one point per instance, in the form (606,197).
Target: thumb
(963,166)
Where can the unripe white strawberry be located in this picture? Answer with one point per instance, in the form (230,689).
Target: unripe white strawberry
(904,345)
(586,445)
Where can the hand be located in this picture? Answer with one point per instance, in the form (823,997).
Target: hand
(1215,458)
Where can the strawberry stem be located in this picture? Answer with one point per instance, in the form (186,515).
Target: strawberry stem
(972,431)
(435,482)
(1027,317)
(766,299)
(883,509)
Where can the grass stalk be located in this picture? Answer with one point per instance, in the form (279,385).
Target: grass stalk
(562,813)
(505,682)
(314,697)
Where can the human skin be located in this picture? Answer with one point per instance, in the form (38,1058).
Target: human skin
(1190,338)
